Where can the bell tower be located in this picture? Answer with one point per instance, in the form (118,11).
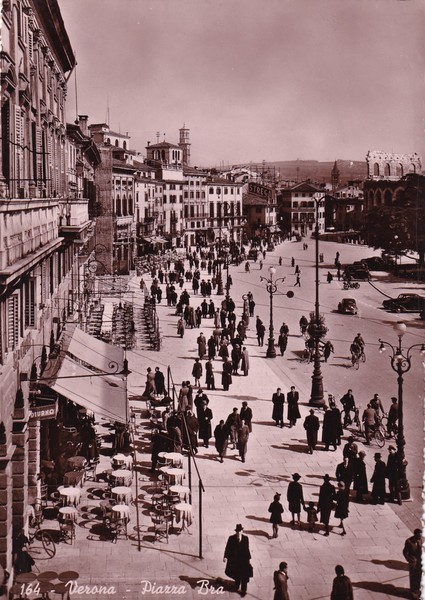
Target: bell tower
(184,144)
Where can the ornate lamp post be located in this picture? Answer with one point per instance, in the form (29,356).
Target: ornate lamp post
(316,328)
(400,360)
(271,287)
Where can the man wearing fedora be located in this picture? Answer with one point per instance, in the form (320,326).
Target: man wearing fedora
(378,480)
(238,556)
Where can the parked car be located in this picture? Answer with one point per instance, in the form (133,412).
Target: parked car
(253,254)
(358,271)
(376,263)
(347,306)
(405,303)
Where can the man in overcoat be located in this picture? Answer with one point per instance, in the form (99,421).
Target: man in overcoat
(292,398)
(243,436)
(278,400)
(280,580)
(311,425)
(238,556)
(221,435)
(412,552)
(246,415)
(205,417)
(226,375)
(326,502)
(378,480)
(245,361)
(329,433)
(202,345)
(360,477)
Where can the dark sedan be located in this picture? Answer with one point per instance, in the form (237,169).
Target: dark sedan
(405,303)
(347,306)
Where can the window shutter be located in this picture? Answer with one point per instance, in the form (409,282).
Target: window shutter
(12,322)
(19,130)
(30,303)
(39,156)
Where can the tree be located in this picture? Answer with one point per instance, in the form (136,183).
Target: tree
(399,228)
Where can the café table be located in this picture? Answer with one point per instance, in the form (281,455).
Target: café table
(121,460)
(74,478)
(184,512)
(182,490)
(69,512)
(25,577)
(70,495)
(175,457)
(121,511)
(47,576)
(121,477)
(122,494)
(77,462)
(68,576)
(175,476)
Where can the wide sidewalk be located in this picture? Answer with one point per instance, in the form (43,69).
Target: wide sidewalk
(241,493)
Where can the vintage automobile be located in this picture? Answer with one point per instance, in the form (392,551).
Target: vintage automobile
(405,303)
(347,306)
(356,271)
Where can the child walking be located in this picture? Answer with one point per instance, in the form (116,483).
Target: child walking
(311,516)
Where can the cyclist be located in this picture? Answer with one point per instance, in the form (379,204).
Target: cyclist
(376,404)
(360,341)
(356,352)
(392,417)
(303,325)
(370,421)
(349,405)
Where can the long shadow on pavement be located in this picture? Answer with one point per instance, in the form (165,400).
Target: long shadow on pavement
(382,588)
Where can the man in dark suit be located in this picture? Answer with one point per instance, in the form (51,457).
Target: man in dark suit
(246,415)
(292,398)
(238,556)
(278,400)
(378,480)
(280,579)
(311,425)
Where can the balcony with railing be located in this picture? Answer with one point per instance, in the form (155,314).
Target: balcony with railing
(73,216)
(26,228)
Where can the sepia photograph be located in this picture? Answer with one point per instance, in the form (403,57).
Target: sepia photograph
(212,299)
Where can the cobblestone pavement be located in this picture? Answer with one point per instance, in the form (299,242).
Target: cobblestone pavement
(237,492)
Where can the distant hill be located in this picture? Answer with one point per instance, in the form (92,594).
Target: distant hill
(319,172)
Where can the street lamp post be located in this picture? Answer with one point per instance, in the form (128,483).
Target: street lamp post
(316,328)
(271,287)
(401,361)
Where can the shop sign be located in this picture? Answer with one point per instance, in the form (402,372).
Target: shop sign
(260,190)
(44,409)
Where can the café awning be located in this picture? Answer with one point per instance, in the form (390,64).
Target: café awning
(88,349)
(104,395)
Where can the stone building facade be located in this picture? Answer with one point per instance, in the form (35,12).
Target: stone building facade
(391,167)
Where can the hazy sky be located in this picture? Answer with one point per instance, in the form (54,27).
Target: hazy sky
(254,79)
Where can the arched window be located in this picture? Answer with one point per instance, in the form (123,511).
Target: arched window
(116,143)
(118,206)
(130,205)
(388,198)
(232,209)
(124,145)
(400,170)
(387,170)
(163,154)
(108,140)
(371,199)
(412,168)
(124,206)
(376,169)
(378,198)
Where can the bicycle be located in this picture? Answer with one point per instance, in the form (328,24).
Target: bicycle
(356,358)
(348,285)
(39,534)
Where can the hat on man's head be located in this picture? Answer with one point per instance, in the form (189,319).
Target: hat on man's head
(326,477)
(238,527)
(392,448)
(296,476)
(377,455)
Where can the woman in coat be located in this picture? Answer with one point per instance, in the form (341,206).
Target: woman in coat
(276,510)
(295,498)
(221,435)
(342,500)
(326,502)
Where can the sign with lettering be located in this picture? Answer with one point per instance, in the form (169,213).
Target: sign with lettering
(260,190)
(43,409)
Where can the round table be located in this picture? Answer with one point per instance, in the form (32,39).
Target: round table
(175,476)
(47,576)
(184,511)
(69,512)
(121,460)
(70,495)
(25,577)
(182,490)
(68,576)
(121,511)
(122,477)
(175,457)
(77,462)
(122,494)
